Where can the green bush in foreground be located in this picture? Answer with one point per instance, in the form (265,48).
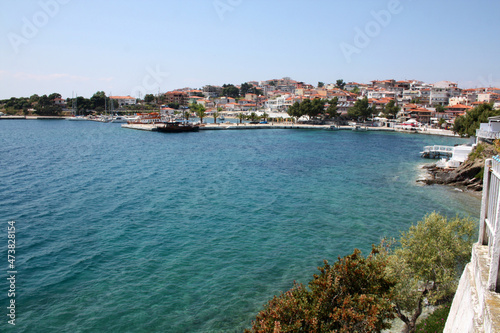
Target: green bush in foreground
(352,295)
(363,294)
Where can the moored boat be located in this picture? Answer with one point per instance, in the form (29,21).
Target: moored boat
(176,127)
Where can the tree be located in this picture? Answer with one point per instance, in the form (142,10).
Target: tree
(149,98)
(199,110)
(317,108)
(351,295)
(216,114)
(361,109)
(253,116)
(241,117)
(356,90)
(264,116)
(332,108)
(391,109)
(98,100)
(294,111)
(173,105)
(229,90)
(244,88)
(467,125)
(340,84)
(440,108)
(321,84)
(428,263)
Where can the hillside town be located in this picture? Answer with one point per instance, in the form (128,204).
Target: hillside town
(408,101)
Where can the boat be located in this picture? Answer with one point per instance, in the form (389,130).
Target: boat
(176,127)
(77,118)
(333,128)
(120,119)
(146,118)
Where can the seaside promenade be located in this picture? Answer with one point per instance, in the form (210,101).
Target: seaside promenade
(247,126)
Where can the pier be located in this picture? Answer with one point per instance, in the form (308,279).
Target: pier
(437,151)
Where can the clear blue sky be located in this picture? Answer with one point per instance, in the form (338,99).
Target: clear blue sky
(123,47)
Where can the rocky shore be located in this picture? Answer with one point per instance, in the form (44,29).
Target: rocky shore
(469,176)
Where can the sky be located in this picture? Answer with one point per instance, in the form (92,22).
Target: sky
(77,47)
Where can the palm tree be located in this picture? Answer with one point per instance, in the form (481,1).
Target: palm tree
(216,114)
(241,116)
(200,112)
(264,116)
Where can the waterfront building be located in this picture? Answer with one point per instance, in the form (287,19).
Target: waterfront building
(123,100)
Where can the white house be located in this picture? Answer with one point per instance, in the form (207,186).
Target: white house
(124,100)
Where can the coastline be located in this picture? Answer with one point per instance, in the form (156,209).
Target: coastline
(277,125)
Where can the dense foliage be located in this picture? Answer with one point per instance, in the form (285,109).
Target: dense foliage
(351,295)
(428,263)
(358,294)
(312,108)
(361,109)
(468,124)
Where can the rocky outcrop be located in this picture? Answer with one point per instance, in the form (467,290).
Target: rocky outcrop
(468,175)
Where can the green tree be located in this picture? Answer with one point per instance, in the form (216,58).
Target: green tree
(440,108)
(356,90)
(428,263)
(199,110)
(244,88)
(340,84)
(391,109)
(216,114)
(241,117)
(173,105)
(229,90)
(253,116)
(352,295)
(264,116)
(321,84)
(332,108)
(295,111)
(361,109)
(467,125)
(98,100)
(149,98)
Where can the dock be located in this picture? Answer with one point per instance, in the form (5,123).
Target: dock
(437,151)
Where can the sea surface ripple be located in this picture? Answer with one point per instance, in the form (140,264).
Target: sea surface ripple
(130,231)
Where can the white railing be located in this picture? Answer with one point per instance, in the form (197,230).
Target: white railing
(489,227)
(487,134)
(438,149)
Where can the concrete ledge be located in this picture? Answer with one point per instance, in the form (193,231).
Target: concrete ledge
(475,308)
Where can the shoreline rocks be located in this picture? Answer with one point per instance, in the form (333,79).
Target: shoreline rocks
(467,176)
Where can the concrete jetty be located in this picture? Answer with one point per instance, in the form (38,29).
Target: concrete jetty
(247,126)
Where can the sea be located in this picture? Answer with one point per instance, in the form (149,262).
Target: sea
(119,230)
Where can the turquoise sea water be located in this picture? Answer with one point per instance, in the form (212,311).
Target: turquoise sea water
(129,231)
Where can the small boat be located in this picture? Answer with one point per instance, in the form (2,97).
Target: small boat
(120,119)
(333,128)
(77,118)
(176,127)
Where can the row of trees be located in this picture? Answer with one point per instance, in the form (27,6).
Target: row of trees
(466,125)
(363,294)
(230,90)
(314,108)
(360,111)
